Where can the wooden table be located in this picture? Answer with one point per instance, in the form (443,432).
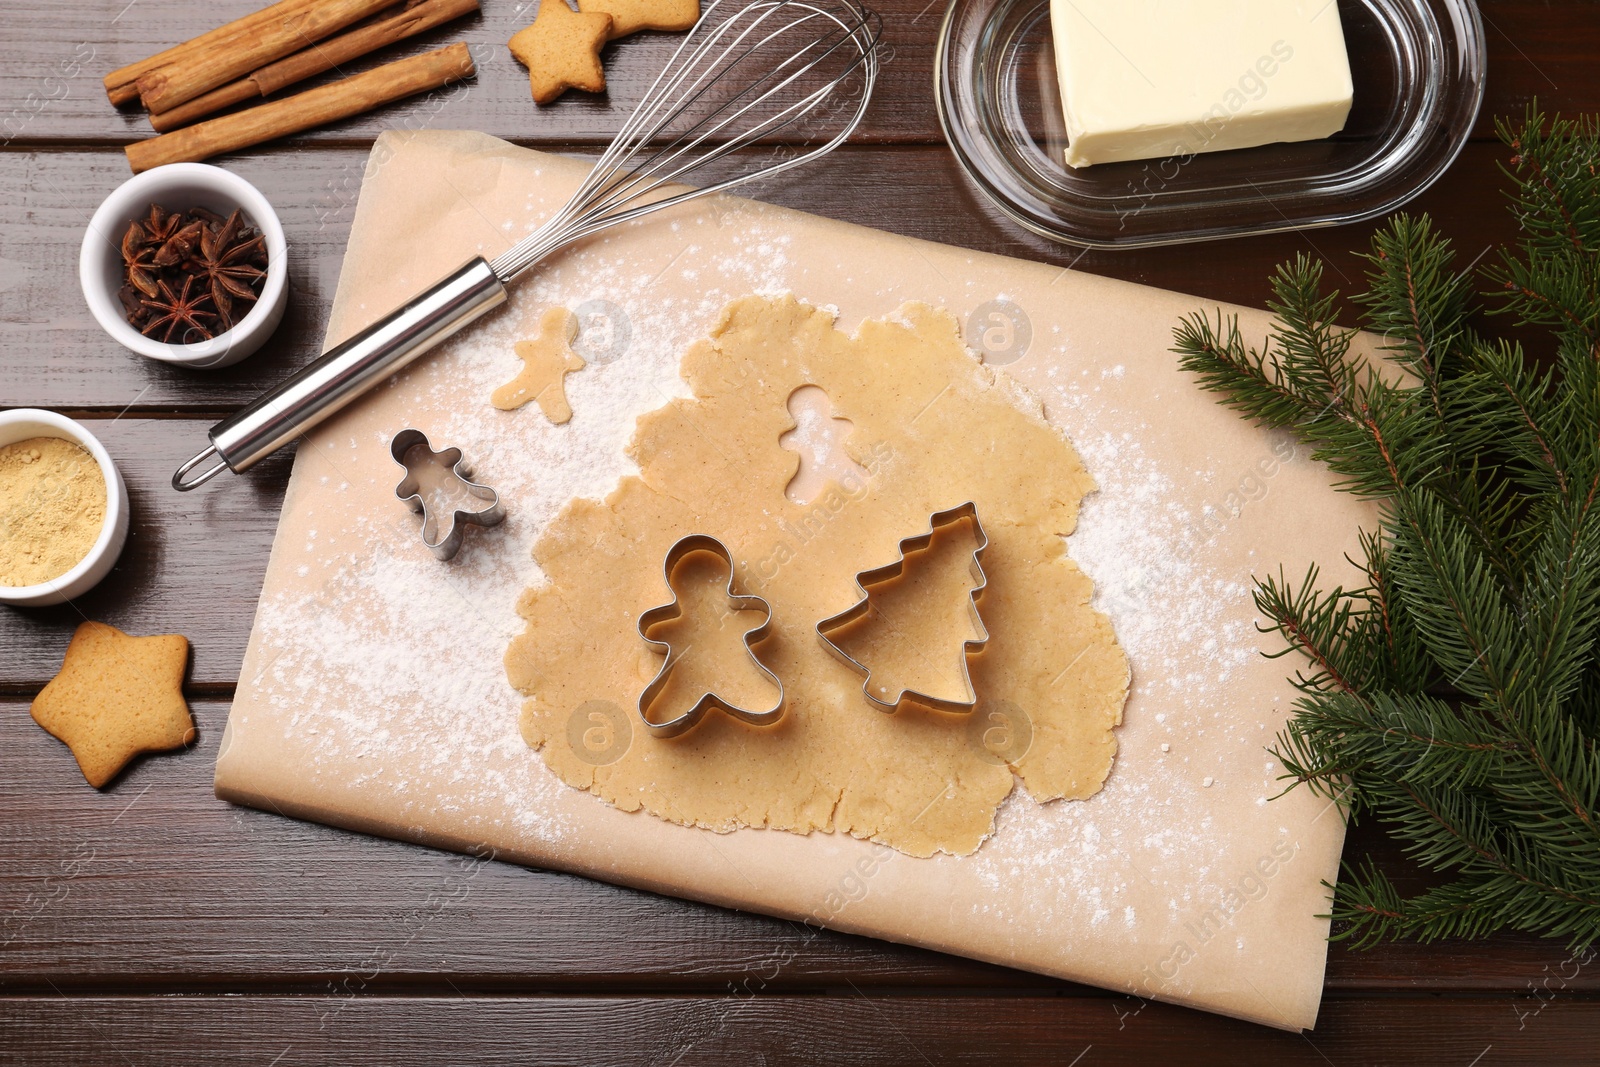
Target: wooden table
(152,923)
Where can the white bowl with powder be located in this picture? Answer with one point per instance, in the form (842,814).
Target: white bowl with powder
(47,496)
(182,187)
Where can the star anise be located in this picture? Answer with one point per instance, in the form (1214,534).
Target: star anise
(159,224)
(173,311)
(134,241)
(226,263)
(138,258)
(177,247)
(190,275)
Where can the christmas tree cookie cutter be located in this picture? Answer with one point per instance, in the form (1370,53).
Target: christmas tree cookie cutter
(708,699)
(453,523)
(865,580)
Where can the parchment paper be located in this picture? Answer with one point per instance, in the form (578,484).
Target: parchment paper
(372,694)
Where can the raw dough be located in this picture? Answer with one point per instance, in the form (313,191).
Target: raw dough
(934,428)
(546,362)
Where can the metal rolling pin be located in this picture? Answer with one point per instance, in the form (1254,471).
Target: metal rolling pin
(343,373)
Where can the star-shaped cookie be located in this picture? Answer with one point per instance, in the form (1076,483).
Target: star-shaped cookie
(629,16)
(561,50)
(116,697)
(546,362)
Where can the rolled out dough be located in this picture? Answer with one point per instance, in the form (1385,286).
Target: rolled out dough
(933,427)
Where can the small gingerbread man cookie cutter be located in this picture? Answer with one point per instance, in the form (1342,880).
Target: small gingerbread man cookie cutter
(890,571)
(453,523)
(709,699)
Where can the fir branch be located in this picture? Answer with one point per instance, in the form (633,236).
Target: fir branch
(1305,377)
(1414,739)
(1401,663)
(1452,597)
(1416,300)
(1314,624)
(1313,353)
(1218,355)
(1553,277)
(1557,169)
(1527,432)
(1455,696)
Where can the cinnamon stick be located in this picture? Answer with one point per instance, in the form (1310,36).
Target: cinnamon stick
(121,84)
(200,70)
(314,60)
(204,104)
(326,103)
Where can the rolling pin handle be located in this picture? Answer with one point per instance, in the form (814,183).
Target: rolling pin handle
(347,371)
(183,484)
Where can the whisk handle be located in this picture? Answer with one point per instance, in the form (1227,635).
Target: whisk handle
(346,371)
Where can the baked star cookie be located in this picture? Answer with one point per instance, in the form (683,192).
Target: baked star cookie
(562,50)
(629,16)
(116,697)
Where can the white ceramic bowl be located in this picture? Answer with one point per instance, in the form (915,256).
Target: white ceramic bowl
(179,187)
(19,424)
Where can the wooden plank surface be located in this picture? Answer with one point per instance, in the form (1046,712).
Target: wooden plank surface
(739,1030)
(400,954)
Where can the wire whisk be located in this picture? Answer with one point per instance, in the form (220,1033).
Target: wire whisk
(792,76)
(773,67)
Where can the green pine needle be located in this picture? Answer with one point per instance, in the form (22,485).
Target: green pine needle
(1455,695)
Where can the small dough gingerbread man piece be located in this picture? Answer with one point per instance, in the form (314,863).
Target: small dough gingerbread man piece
(629,16)
(546,362)
(116,697)
(561,50)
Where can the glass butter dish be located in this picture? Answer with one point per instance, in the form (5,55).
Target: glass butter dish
(1418,71)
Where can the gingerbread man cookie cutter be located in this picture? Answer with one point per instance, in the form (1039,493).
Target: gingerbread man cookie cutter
(708,700)
(453,523)
(890,571)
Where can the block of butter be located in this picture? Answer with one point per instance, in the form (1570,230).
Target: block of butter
(1148,79)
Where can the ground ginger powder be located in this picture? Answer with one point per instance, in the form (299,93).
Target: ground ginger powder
(52,505)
